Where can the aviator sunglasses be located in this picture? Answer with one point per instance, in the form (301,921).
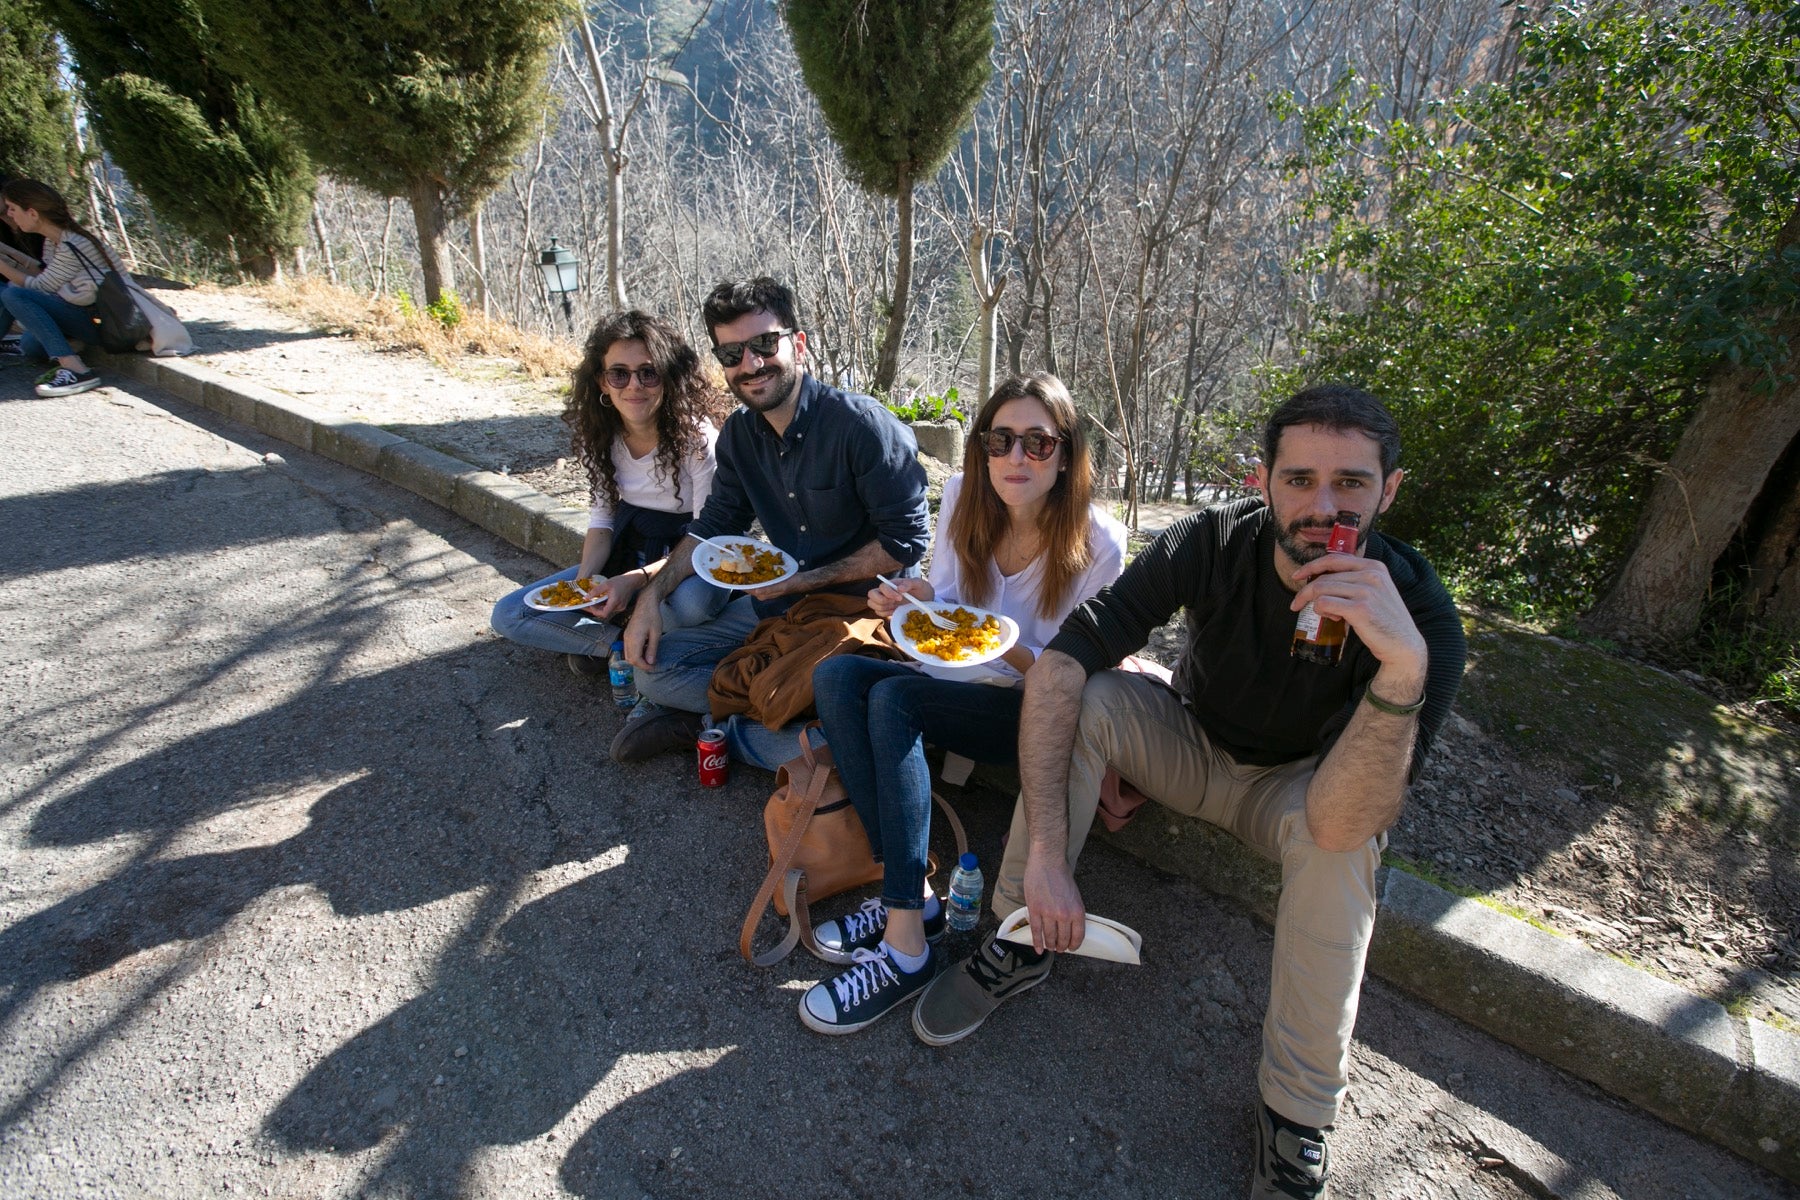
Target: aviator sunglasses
(620,377)
(763,345)
(1038,445)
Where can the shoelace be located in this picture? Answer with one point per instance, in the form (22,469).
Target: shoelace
(871,973)
(870,918)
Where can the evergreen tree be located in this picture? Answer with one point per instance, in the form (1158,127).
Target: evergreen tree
(204,148)
(897,80)
(36,139)
(427,100)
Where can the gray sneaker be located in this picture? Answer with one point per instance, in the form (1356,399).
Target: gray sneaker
(1291,1160)
(961,998)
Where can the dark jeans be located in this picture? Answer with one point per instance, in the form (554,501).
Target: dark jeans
(878,716)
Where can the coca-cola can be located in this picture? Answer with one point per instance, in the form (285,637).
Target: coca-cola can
(713,759)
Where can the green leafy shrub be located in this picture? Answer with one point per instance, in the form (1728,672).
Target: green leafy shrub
(1551,269)
(446,310)
(929,408)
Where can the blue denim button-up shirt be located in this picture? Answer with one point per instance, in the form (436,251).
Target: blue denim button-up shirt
(845,473)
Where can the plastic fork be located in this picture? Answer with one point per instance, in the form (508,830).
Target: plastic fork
(940,622)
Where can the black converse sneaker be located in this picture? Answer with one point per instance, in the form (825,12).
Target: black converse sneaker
(839,940)
(64,382)
(956,1004)
(865,993)
(1291,1159)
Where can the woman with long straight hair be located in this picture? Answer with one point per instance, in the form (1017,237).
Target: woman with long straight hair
(53,303)
(1017,533)
(643,418)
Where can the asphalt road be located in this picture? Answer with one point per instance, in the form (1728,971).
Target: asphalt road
(311,887)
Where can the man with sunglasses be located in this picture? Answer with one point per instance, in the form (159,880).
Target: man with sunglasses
(1308,764)
(833,478)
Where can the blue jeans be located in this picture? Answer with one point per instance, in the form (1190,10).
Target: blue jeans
(878,716)
(685,659)
(575,632)
(49,321)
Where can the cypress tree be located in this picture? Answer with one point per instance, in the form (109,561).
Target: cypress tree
(36,137)
(897,80)
(427,100)
(205,149)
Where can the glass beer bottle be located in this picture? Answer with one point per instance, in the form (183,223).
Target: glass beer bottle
(1320,639)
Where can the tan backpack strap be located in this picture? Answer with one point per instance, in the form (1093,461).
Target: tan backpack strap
(778,869)
(962,839)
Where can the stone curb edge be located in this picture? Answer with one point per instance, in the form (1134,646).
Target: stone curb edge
(1733,1080)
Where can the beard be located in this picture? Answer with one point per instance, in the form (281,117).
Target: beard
(1302,551)
(783,379)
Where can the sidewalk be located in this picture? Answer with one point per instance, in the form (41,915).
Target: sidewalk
(1686,1059)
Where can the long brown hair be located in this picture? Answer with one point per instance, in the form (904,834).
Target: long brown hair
(688,397)
(51,207)
(981,520)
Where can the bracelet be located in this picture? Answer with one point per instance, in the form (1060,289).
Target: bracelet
(1389,707)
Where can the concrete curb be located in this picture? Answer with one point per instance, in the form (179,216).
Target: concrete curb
(1733,1080)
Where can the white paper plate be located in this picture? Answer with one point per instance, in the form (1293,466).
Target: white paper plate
(1009,633)
(533,598)
(709,554)
(1103,938)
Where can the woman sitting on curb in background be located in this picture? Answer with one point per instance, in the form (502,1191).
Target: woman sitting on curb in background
(1025,540)
(643,420)
(54,305)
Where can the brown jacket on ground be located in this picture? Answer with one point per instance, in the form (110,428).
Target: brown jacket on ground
(769,677)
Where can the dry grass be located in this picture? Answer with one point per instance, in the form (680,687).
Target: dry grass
(381,321)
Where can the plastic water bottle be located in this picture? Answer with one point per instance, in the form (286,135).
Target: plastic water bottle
(618,672)
(964,902)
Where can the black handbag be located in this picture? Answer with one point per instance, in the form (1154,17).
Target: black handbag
(122,323)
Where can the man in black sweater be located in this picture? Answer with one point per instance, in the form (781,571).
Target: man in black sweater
(1307,764)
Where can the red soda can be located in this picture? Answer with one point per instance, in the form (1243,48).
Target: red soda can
(713,759)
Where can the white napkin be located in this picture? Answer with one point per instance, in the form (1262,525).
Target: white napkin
(1104,938)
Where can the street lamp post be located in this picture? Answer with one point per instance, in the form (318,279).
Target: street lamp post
(562,277)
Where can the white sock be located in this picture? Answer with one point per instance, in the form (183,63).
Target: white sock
(931,906)
(910,963)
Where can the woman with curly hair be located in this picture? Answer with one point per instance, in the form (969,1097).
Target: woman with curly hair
(643,419)
(1018,533)
(53,304)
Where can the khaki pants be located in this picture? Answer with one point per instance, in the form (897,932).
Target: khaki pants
(1327,906)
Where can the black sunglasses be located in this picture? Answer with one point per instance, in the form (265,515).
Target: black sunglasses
(1038,445)
(763,345)
(620,377)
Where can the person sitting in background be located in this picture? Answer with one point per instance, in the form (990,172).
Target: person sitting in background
(641,416)
(1018,534)
(54,303)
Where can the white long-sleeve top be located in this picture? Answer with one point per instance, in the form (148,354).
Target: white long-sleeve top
(1017,596)
(640,486)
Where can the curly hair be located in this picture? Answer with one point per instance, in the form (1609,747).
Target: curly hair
(980,520)
(689,396)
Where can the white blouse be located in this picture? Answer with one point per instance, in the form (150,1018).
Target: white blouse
(1016,596)
(640,484)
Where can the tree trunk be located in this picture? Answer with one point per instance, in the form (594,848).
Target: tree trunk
(318,224)
(1740,431)
(888,365)
(1773,596)
(612,150)
(431,218)
(987,295)
(262,265)
(478,244)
